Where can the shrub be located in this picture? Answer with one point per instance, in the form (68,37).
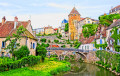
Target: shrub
(41,51)
(63,46)
(30,60)
(49,41)
(56,41)
(22,52)
(43,40)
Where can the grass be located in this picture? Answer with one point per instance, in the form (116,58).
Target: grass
(48,68)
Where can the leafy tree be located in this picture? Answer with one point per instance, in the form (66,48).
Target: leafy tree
(40,50)
(43,40)
(13,40)
(56,41)
(89,30)
(22,52)
(44,45)
(107,20)
(63,46)
(66,27)
(49,41)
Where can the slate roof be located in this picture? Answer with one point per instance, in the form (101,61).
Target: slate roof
(64,21)
(116,23)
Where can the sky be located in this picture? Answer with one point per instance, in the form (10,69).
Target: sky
(52,12)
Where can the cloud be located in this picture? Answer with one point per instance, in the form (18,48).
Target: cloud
(4,4)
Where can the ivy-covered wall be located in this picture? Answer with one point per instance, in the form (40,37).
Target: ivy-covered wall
(116,36)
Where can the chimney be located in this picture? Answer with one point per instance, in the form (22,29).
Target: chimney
(15,22)
(114,20)
(3,20)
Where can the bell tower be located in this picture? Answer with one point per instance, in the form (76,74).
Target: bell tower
(74,18)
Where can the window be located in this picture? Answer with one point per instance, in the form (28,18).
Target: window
(118,42)
(82,47)
(88,21)
(93,45)
(111,42)
(88,47)
(3,44)
(110,33)
(117,31)
(15,45)
(33,45)
(100,48)
(85,47)
(2,54)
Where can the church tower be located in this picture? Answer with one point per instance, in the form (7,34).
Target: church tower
(74,18)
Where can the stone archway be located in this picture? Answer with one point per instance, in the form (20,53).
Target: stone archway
(82,55)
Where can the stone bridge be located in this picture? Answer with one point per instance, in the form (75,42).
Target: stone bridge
(86,55)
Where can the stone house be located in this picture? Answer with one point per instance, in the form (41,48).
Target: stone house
(7,28)
(116,23)
(49,30)
(115,10)
(100,36)
(87,43)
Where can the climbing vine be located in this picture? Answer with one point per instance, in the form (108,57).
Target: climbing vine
(115,36)
(89,30)
(100,45)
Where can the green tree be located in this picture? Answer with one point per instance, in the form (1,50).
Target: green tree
(49,41)
(56,41)
(107,20)
(89,30)
(66,27)
(22,52)
(43,40)
(41,51)
(13,40)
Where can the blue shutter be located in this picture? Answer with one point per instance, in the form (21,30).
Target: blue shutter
(118,41)
(110,33)
(118,31)
(3,44)
(93,45)
(33,45)
(100,41)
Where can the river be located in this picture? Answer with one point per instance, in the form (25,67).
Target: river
(85,69)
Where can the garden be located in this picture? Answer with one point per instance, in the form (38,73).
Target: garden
(47,68)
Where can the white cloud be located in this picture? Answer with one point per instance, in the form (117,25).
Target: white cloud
(41,20)
(4,4)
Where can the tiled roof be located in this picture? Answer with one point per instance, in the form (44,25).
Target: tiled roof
(53,46)
(116,23)
(74,11)
(7,29)
(116,7)
(49,27)
(56,29)
(86,40)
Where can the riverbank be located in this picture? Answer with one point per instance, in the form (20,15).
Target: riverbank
(48,68)
(110,69)
(109,61)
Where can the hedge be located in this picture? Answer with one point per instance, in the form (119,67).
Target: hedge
(26,61)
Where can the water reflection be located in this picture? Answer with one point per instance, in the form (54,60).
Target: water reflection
(84,69)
